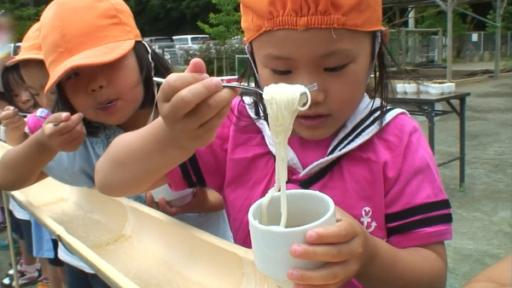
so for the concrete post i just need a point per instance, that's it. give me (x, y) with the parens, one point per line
(497, 53)
(449, 40)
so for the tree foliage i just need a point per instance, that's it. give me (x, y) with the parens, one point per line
(23, 13)
(225, 24)
(435, 17)
(506, 19)
(169, 17)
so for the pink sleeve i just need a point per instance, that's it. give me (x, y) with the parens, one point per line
(209, 166)
(418, 211)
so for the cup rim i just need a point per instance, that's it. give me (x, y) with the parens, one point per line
(256, 223)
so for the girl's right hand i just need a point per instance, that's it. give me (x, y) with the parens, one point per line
(11, 120)
(64, 132)
(14, 125)
(193, 105)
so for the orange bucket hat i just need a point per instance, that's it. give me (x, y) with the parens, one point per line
(259, 16)
(30, 46)
(78, 33)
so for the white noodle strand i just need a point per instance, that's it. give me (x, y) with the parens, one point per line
(283, 103)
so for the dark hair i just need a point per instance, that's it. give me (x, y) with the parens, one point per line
(251, 73)
(161, 67)
(12, 80)
(379, 88)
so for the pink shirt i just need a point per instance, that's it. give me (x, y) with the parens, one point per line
(316, 149)
(390, 183)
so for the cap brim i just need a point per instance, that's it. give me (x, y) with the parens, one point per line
(18, 59)
(97, 56)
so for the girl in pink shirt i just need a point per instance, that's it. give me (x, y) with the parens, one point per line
(372, 160)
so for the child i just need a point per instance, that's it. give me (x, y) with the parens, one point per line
(22, 100)
(20, 95)
(16, 91)
(498, 275)
(32, 77)
(103, 73)
(372, 161)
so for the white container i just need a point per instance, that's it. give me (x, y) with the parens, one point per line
(400, 88)
(175, 198)
(411, 88)
(449, 87)
(435, 89)
(271, 243)
(424, 87)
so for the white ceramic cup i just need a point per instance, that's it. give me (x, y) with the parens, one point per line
(271, 244)
(400, 88)
(449, 87)
(435, 89)
(411, 88)
(177, 199)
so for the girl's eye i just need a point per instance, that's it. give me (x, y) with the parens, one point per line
(335, 68)
(72, 75)
(32, 92)
(281, 72)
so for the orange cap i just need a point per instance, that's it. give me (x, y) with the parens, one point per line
(259, 16)
(30, 46)
(85, 33)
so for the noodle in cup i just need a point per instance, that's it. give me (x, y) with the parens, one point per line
(307, 210)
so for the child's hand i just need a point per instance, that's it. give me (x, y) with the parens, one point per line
(342, 246)
(11, 119)
(63, 132)
(205, 200)
(193, 105)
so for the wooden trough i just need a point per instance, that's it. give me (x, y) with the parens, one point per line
(131, 245)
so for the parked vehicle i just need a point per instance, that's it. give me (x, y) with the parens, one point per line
(158, 40)
(190, 41)
(166, 47)
(10, 49)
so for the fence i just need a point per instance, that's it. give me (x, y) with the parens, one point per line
(419, 47)
(481, 46)
(220, 59)
(415, 46)
(406, 47)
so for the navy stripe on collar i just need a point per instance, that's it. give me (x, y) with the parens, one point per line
(351, 136)
(356, 127)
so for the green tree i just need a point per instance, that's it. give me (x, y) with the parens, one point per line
(24, 14)
(225, 24)
(169, 17)
(506, 19)
(434, 17)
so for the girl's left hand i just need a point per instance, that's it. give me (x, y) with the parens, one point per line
(344, 248)
(204, 200)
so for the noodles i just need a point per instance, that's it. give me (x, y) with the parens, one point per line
(283, 103)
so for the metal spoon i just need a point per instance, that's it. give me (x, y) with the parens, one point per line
(251, 89)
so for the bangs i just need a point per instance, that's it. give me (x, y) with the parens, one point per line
(12, 79)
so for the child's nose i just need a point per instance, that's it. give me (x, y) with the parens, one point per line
(317, 96)
(26, 96)
(96, 86)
